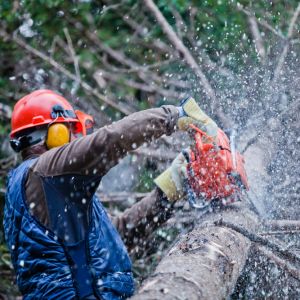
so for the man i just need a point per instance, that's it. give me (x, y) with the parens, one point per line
(62, 243)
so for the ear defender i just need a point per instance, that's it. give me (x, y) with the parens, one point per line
(58, 134)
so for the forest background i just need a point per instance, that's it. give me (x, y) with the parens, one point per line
(240, 60)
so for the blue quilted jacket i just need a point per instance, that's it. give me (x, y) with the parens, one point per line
(97, 267)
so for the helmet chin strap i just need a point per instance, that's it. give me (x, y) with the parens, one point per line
(57, 115)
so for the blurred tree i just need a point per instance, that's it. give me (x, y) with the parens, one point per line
(111, 58)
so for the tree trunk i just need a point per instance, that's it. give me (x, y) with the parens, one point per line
(206, 262)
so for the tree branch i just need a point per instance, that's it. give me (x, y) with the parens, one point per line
(5, 111)
(7, 163)
(107, 8)
(180, 24)
(260, 22)
(297, 231)
(292, 106)
(92, 36)
(74, 57)
(282, 57)
(282, 224)
(257, 38)
(143, 31)
(118, 56)
(260, 240)
(120, 197)
(286, 266)
(178, 44)
(137, 85)
(189, 59)
(158, 154)
(64, 71)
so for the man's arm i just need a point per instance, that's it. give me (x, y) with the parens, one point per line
(143, 218)
(97, 153)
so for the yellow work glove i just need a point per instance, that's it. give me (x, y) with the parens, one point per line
(171, 181)
(191, 113)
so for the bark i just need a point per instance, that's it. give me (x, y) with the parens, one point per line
(206, 262)
(86, 86)
(283, 224)
(259, 43)
(285, 51)
(190, 61)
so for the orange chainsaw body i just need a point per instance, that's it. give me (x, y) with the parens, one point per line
(212, 173)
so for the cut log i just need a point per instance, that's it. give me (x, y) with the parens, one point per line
(206, 262)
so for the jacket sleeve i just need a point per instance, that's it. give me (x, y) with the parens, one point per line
(143, 218)
(97, 153)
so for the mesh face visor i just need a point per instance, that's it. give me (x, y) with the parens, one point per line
(75, 129)
(89, 126)
(87, 122)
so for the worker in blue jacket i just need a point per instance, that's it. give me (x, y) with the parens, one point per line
(63, 244)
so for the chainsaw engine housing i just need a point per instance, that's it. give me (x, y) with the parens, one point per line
(213, 172)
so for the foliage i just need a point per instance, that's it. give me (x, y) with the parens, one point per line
(7, 286)
(214, 27)
(123, 53)
(146, 176)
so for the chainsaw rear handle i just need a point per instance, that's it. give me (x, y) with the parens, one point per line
(191, 196)
(188, 189)
(199, 134)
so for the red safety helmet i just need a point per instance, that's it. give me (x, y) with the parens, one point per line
(41, 107)
(38, 110)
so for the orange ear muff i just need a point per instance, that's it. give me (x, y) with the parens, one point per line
(58, 134)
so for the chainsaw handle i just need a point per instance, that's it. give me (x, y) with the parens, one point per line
(186, 155)
(198, 140)
(201, 133)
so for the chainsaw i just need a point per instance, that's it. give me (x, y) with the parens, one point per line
(215, 170)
